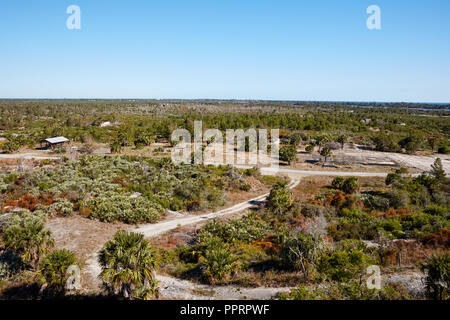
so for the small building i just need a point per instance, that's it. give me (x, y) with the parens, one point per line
(105, 124)
(55, 142)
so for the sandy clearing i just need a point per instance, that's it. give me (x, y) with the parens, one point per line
(173, 288)
(271, 171)
(419, 162)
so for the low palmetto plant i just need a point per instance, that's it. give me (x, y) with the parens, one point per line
(438, 277)
(218, 260)
(128, 264)
(53, 269)
(27, 238)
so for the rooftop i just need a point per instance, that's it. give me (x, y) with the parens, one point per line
(57, 140)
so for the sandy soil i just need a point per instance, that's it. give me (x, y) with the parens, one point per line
(29, 156)
(172, 288)
(85, 237)
(371, 158)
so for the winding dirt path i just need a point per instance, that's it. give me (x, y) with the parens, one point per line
(172, 286)
(155, 229)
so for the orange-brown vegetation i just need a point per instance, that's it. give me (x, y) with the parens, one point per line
(28, 201)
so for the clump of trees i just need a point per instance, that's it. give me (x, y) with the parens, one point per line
(26, 236)
(26, 253)
(288, 153)
(349, 185)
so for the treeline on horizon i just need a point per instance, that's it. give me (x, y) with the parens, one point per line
(393, 129)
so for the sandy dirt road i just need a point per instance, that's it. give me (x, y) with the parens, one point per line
(155, 229)
(27, 156)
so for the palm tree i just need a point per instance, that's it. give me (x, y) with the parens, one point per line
(218, 259)
(438, 276)
(128, 264)
(27, 238)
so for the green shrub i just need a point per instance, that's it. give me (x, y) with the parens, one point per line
(288, 153)
(246, 187)
(437, 210)
(245, 230)
(280, 198)
(352, 213)
(398, 198)
(112, 207)
(337, 183)
(392, 226)
(438, 276)
(360, 229)
(26, 237)
(301, 251)
(349, 185)
(10, 146)
(218, 260)
(303, 292)
(60, 206)
(354, 290)
(53, 269)
(345, 264)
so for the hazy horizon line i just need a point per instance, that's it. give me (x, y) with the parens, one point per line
(222, 99)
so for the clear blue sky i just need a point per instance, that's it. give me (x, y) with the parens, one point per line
(241, 49)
